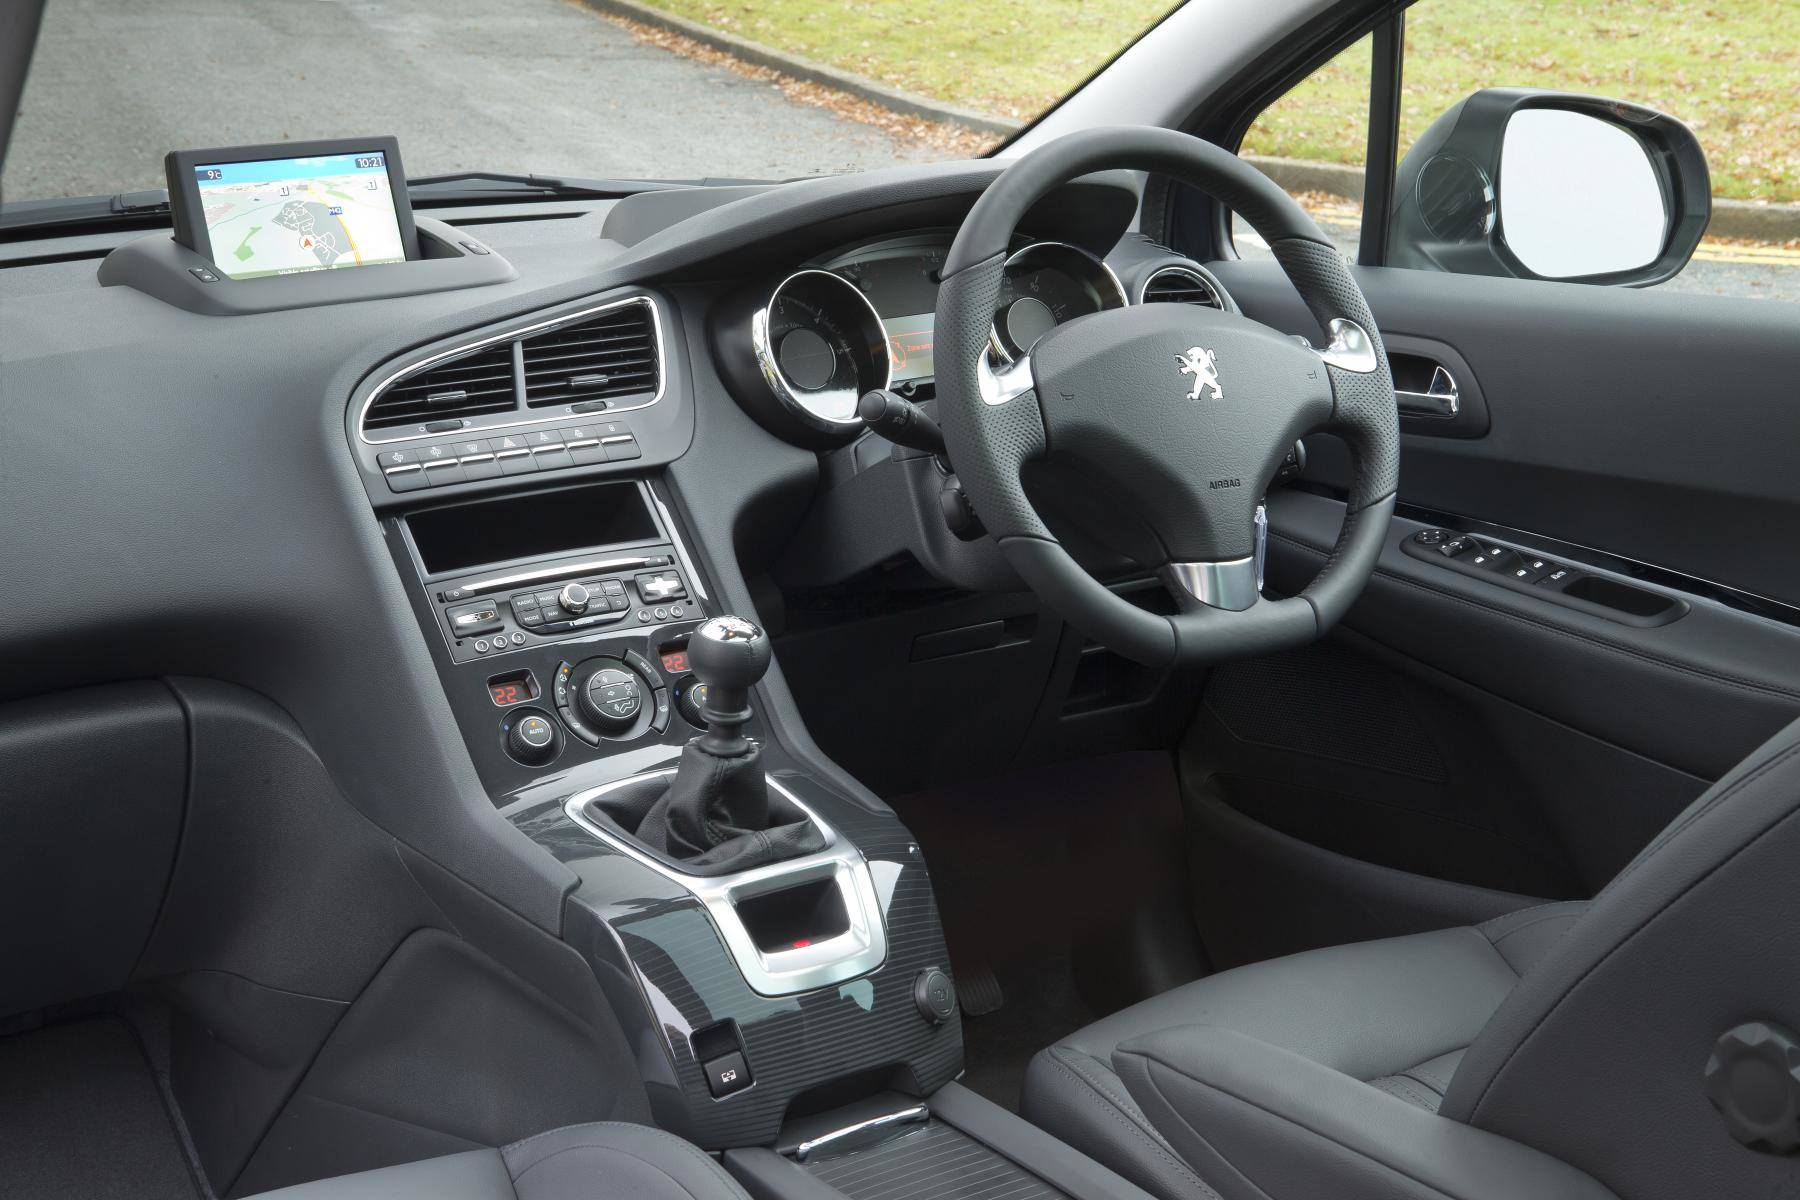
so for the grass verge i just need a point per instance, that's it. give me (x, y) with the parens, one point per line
(1729, 68)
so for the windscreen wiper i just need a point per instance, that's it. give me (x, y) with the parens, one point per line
(488, 185)
(120, 210)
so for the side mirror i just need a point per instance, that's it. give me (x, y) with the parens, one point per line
(1548, 185)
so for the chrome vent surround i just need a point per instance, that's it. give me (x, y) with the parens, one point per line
(613, 354)
(1180, 285)
(610, 354)
(468, 385)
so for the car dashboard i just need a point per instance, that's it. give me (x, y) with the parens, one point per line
(458, 517)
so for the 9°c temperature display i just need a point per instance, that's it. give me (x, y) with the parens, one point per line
(514, 688)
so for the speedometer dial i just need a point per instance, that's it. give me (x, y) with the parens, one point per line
(1047, 284)
(820, 345)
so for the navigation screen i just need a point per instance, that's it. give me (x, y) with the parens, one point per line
(281, 215)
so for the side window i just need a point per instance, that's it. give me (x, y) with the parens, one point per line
(1314, 142)
(1510, 157)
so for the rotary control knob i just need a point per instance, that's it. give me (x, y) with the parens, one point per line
(574, 597)
(531, 738)
(611, 699)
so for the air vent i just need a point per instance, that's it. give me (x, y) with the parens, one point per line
(612, 354)
(465, 386)
(1178, 285)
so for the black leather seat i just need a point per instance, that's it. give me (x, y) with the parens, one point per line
(1560, 1050)
(607, 1161)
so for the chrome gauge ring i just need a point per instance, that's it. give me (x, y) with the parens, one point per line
(820, 345)
(1046, 284)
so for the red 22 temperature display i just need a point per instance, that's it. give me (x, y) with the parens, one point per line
(515, 688)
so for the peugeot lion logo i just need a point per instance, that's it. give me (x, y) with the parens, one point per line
(1203, 365)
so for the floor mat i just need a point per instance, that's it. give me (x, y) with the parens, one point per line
(82, 1118)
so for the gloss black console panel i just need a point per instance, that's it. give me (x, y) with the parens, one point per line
(531, 609)
(666, 969)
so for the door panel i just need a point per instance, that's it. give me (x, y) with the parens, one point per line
(1493, 737)
(1658, 426)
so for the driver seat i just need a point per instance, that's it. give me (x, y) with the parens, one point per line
(1642, 1045)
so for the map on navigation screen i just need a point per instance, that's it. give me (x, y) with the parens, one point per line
(282, 215)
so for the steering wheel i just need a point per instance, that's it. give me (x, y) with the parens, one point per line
(1178, 415)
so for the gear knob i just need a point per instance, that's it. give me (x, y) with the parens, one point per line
(729, 655)
(729, 652)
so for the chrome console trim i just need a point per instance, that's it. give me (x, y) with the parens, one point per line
(858, 950)
(858, 1135)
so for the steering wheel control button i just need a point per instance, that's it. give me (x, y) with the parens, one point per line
(934, 995)
(531, 738)
(727, 1074)
(1753, 1079)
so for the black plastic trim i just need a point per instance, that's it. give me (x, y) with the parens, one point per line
(1587, 556)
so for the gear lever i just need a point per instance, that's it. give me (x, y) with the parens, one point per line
(730, 656)
(716, 812)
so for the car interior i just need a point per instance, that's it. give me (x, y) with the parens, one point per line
(941, 681)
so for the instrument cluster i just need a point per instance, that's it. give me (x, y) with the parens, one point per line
(863, 319)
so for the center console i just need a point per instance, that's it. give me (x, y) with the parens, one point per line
(768, 938)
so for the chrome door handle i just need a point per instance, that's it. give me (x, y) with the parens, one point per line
(1441, 398)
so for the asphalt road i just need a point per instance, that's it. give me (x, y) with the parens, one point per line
(521, 85)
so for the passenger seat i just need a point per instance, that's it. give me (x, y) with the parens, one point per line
(604, 1161)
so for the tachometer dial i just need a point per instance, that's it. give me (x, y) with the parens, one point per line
(1047, 284)
(820, 345)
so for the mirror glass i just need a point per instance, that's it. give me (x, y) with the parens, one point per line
(1578, 195)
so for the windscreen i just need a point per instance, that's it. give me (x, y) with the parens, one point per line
(549, 87)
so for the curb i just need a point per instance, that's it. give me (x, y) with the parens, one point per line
(795, 67)
(1730, 218)
(1746, 219)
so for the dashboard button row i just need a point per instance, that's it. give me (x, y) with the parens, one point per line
(443, 463)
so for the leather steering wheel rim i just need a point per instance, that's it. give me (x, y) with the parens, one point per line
(994, 419)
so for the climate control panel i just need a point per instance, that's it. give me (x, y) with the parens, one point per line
(609, 697)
